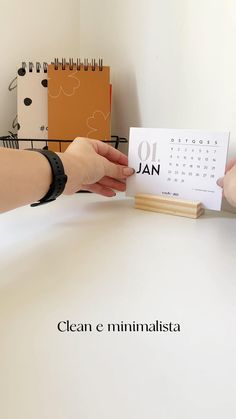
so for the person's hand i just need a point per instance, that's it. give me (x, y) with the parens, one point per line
(94, 166)
(228, 182)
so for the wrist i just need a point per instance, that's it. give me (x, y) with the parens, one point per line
(73, 168)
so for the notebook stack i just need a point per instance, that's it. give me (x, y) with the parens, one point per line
(62, 101)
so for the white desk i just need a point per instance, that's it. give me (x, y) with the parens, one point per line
(92, 260)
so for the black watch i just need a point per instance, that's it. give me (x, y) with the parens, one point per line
(59, 177)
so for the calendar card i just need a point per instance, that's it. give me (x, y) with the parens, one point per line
(178, 163)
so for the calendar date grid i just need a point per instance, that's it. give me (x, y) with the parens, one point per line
(191, 159)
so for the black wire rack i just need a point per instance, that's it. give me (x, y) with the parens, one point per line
(12, 141)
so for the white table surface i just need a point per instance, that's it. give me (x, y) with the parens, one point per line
(94, 260)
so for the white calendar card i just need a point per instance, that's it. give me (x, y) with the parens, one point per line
(178, 163)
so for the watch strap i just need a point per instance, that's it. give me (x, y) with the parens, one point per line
(59, 177)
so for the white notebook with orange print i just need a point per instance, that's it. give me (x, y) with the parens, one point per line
(79, 100)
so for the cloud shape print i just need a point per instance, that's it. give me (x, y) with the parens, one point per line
(66, 87)
(96, 123)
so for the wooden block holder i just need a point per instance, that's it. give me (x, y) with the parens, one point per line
(169, 205)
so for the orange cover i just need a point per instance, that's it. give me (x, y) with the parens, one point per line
(78, 103)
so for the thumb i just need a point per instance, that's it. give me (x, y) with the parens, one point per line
(117, 171)
(220, 182)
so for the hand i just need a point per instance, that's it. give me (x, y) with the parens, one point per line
(95, 166)
(228, 182)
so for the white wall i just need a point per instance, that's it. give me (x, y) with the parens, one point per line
(33, 31)
(173, 61)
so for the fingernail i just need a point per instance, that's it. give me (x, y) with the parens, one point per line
(127, 171)
(220, 182)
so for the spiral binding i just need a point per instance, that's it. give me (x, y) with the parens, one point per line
(37, 67)
(78, 64)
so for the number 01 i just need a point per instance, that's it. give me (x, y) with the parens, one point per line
(147, 151)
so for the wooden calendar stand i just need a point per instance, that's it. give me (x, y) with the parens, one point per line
(169, 205)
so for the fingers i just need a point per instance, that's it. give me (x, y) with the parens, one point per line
(97, 160)
(110, 153)
(228, 184)
(116, 171)
(99, 189)
(220, 182)
(230, 164)
(106, 186)
(113, 184)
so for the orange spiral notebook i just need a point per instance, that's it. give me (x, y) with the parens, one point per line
(79, 101)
